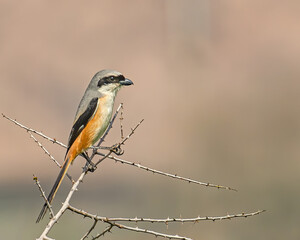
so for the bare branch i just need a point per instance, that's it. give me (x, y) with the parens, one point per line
(64, 206)
(47, 238)
(186, 220)
(166, 174)
(151, 169)
(114, 222)
(117, 145)
(164, 220)
(156, 234)
(121, 226)
(53, 140)
(107, 229)
(121, 123)
(44, 149)
(103, 158)
(51, 157)
(43, 195)
(131, 133)
(90, 230)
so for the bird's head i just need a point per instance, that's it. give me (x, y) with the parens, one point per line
(109, 81)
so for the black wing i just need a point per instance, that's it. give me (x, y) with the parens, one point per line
(82, 121)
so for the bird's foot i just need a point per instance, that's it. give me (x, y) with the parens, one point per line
(92, 167)
(116, 149)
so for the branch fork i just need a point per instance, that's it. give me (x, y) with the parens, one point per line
(91, 167)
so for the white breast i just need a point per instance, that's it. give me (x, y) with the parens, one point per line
(105, 106)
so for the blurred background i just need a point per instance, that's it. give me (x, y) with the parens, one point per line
(217, 83)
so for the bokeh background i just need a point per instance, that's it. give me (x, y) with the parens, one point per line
(217, 83)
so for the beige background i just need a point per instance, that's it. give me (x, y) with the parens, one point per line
(217, 83)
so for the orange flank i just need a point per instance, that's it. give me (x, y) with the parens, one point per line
(88, 135)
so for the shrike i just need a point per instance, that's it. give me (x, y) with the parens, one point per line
(91, 120)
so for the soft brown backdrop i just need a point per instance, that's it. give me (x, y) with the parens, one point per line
(217, 83)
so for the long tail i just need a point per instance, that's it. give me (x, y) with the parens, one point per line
(57, 183)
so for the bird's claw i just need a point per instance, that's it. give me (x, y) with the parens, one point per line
(116, 149)
(92, 167)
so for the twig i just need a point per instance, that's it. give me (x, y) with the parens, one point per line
(47, 152)
(47, 238)
(121, 123)
(107, 229)
(113, 222)
(156, 234)
(43, 195)
(53, 140)
(151, 169)
(121, 160)
(89, 231)
(104, 157)
(63, 208)
(119, 144)
(165, 220)
(44, 149)
(121, 226)
(166, 174)
(131, 133)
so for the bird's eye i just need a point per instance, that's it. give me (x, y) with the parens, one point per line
(112, 78)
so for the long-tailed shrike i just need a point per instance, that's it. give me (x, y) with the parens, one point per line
(91, 120)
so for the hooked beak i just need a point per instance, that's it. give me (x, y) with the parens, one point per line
(126, 82)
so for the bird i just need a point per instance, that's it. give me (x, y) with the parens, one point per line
(91, 121)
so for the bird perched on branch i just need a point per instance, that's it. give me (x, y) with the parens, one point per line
(91, 120)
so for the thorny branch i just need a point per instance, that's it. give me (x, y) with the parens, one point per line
(113, 222)
(64, 206)
(89, 231)
(118, 146)
(95, 151)
(121, 123)
(53, 140)
(43, 195)
(166, 174)
(106, 230)
(165, 220)
(141, 230)
(47, 152)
